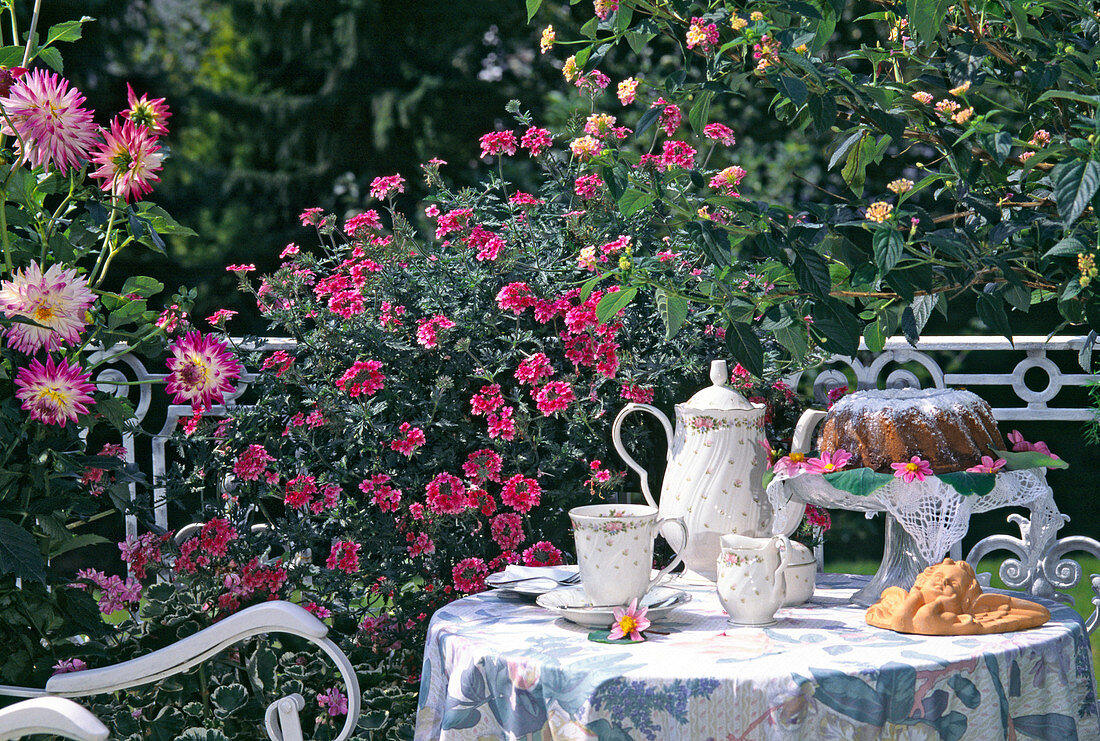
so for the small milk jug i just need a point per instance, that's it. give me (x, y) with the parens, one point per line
(752, 578)
(717, 456)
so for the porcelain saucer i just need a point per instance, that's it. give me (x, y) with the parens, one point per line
(571, 604)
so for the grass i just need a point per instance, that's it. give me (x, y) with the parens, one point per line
(1082, 594)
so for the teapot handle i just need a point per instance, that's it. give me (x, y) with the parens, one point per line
(617, 441)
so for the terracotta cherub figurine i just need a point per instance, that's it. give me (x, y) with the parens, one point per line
(946, 599)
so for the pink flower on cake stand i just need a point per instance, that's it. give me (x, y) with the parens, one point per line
(829, 462)
(791, 464)
(630, 621)
(1020, 445)
(988, 465)
(915, 470)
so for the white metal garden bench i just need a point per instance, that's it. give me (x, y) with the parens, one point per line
(1039, 563)
(281, 719)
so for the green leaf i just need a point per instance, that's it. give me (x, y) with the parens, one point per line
(888, 246)
(855, 169)
(19, 553)
(1074, 184)
(844, 147)
(835, 328)
(991, 310)
(261, 669)
(11, 56)
(1000, 146)
(202, 734)
(229, 698)
(611, 303)
(532, 8)
(858, 481)
(65, 31)
(118, 411)
(909, 325)
(794, 338)
(969, 483)
(926, 17)
(160, 221)
(141, 285)
(793, 89)
(1015, 461)
(588, 286)
(1090, 99)
(129, 312)
(745, 347)
(633, 200)
(812, 272)
(874, 336)
(673, 310)
(77, 541)
(699, 115)
(1068, 246)
(601, 636)
(52, 57)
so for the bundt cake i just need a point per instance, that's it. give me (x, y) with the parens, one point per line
(951, 429)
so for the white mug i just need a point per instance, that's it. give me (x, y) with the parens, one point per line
(615, 550)
(751, 577)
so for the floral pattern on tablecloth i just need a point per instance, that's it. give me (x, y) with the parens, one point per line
(495, 668)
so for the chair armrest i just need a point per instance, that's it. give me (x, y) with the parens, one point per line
(54, 715)
(270, 617)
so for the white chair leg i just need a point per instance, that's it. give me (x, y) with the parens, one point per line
(282, 719)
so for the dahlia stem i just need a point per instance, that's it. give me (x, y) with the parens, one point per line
(30, 33)
(4, 230)
(106, 249)
(14, 23)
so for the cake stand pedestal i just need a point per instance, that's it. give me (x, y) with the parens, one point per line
(901, 563)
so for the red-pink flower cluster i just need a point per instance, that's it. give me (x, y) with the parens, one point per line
(363, 378)
(419, 544)
(426, 330)
(701, 34)
(252, 463)
(115, 594)
(211, 542)
(362, 223)
(386, 186)
(670, 117)
(498, 142)
(534, 368)
(675, 153)
(446, 494)
(588, 186)
(536, 140)
(521, 493)
(280, 361)
(469, 575)
(413, 439)
(300, 490)
(385, 497)
(507, 530)
(487, 244)
(344, 556)
(637, 394)
(554, 397)
(542, 553)
(138, 551)
(515, 297)
(483, 465)
(720, 133)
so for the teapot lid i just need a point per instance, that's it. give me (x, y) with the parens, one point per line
(719, 395)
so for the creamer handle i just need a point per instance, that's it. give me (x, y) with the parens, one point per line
(784, 561)
(617, 441)
(804, 430)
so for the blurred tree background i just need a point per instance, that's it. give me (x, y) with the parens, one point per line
(280, 105)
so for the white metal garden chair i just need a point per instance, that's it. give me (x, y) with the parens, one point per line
(53, 715)
(281, 719)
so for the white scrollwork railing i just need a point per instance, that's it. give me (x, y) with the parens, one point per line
(1040, 564)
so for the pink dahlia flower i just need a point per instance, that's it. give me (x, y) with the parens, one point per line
(129, 158)
(54, 393)
(58, 300)
(201, 371)
(915, 470)
(988, 465)
(52, 127)
(630, 621)
(829, 462)
(152, 114)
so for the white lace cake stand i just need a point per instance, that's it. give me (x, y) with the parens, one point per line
(923, 518)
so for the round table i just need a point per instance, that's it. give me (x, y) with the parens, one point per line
(495, 667)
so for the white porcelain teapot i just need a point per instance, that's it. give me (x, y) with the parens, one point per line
(714, 479)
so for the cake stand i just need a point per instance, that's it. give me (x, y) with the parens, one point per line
(924, 519)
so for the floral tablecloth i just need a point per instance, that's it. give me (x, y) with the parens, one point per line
(501, 669)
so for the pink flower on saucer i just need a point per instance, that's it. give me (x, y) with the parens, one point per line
(791, 464)
(630, 621)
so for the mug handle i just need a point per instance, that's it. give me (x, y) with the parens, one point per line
(675, 559)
